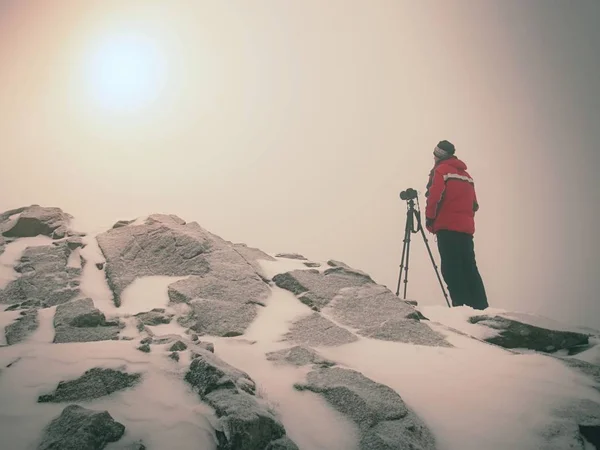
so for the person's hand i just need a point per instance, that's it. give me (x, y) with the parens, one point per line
(429, 224)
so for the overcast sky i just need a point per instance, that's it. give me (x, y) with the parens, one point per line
(293, 126)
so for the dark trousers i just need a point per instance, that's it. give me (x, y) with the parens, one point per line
(459, 269)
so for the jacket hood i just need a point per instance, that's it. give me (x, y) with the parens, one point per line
(454, 162)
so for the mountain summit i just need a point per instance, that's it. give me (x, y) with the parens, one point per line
(158, 334)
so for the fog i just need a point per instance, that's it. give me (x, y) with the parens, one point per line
(293, 126)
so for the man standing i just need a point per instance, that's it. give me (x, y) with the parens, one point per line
(450, 215)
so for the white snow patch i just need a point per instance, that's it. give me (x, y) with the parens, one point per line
(162, 410)
(146, 293)
(281, 265)
(12, 254)
(457, 318)
(471, 398)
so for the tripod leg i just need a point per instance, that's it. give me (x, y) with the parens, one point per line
(435, 266)
(406, 237)
(406, 266)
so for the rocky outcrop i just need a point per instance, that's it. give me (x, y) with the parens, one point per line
(45, 277)
(22, 327)
(36, 220)
(245, 423)
(375, 312)
(299, 356)
(156, 316)
(291, 256)
(317, 289)
(78, 428)
(384, 421)
(94, 383)
(515, 334)
(219, 318)
(315, 330)
(79, 321)
(161, 246)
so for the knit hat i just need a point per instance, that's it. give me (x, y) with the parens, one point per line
(444, 150)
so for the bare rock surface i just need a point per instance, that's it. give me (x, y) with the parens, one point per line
(246, 423)
(156, 316)
(315, 330)
(299, 356)
(516, 334)
(375, 312)
(291, 256)
(80, 321)
(95, 383)
(219, 318)
(36, 220)
(318, 289)
(44, 278)
(384, 421)
(79, 428)
(22, 327)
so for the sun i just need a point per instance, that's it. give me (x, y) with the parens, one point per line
(125, 72)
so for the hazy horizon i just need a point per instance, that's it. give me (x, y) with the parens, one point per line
(292, 127)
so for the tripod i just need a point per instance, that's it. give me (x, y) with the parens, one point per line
(411, 215)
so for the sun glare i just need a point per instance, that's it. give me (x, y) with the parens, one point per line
(125, 72)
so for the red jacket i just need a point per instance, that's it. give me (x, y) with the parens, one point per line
(451, 198)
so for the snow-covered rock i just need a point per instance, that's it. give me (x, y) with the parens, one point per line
(190, 339)
(78, 428)
(95, 383)
(36, 220)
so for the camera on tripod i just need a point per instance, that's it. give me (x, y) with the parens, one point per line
(409, 194)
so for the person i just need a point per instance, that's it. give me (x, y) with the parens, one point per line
(450, 215)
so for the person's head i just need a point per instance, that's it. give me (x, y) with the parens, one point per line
(443, 150)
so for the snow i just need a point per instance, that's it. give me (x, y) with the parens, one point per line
(471, 396)
(146, 293)
(12, 254)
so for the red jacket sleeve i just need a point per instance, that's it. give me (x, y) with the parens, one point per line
(436, 192)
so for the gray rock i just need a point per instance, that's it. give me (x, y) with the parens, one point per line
(165, 339)
(22, 327)
(79, 321)
(334, 263)
(315, 330)
(75, 242)
(299, 356)
(208, 373)
(157, 316)
(7, 214)
(45, 277)
(219, 318)
(174, 356)
(285, 443)
(238, 285)
(253, 256)
(374, 311)
(78, 428)
(291, 256)
(29, 304)
(312, 264)
(144, 348)
(178, 346)
(321, 287)
(94, 383)
(122, 223)
(355, 395)
(161, 246)
(515, 334)
(246, 424)
(36, 220)
(382, 417)
(405, 434)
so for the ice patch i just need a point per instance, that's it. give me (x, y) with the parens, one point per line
(12, 254)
